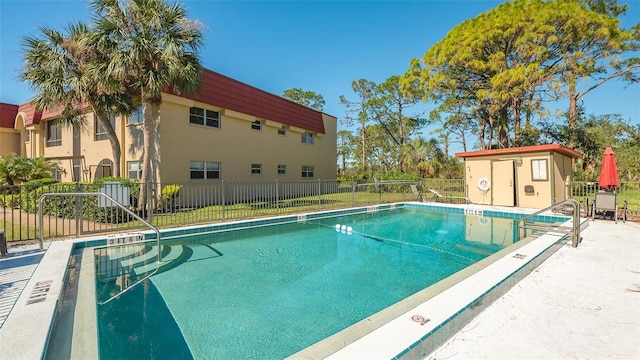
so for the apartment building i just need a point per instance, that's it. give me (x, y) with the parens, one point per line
(227, 131)
(9, 136)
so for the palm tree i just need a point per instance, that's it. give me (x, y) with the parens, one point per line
(155, 48)
(59, 66)
(427, 158)
(16, 169)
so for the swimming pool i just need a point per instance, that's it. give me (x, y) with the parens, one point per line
(269, 290)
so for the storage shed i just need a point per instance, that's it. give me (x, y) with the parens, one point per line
(530, 176)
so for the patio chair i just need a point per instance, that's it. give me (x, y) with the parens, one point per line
(436, 195)
(605, 205)
(416, 193)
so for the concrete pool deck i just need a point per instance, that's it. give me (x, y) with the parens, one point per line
(580, 303)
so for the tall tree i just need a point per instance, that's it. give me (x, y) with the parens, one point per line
(359, 111)
(592, 52)
(346, 145)
(155, 47)
(504, 61)
(593, 135)
(306, 98)
(390, 104)
(58, 68)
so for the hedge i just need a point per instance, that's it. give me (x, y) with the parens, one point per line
(65, 206)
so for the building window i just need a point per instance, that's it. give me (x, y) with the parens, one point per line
(256, 169)
(101, 133)
(307, 138)
(134, 169)
(282, 131)
(103, 169)
(256, 125)
(54, 134)
(204, 117)
(539, 170)
(136, 117)
(56, 173)
(307, 171)
(27, 135)
(202, 170)
(282, 169)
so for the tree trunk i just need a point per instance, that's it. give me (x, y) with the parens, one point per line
(573, 113)
(516, 122)
(116, 151)
(150, 179)
(364, 148)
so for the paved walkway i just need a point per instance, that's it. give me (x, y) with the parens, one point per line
(581, 303)
(15, 272)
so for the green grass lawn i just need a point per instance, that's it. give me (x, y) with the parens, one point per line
(13, 231)
(251, 210)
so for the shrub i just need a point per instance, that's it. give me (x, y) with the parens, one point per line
(34, 184)
(65, 206)
(169, 196)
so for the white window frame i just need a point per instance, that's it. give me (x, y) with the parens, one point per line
(307, 171)
(138, 171)
(256, 169)
(282, 169)
(209, 118)
(27, 135)
(307, 138)
(54, 138)
(282, 131)
(136, 117)
(256, 125)
(211, 170)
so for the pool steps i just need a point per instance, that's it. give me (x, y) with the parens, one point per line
(175, 252)
(139, 260)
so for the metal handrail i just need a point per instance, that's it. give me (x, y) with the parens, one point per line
(113, 201)
(575, 229)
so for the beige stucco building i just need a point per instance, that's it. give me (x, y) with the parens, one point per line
(227, 131)
(9, 136)
(530, 176)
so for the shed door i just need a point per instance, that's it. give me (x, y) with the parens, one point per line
(502, 183)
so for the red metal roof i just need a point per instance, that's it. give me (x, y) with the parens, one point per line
(520, 150)
(31, 116)
(225, 92)
(8, 114)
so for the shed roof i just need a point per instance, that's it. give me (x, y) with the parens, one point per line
(522, 150)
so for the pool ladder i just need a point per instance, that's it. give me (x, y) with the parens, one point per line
(112, 202)
(526, 223)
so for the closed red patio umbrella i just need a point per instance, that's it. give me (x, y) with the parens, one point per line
(608, 174)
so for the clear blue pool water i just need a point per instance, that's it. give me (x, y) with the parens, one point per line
(269, 292)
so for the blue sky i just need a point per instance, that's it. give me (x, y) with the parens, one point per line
(320, 46)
